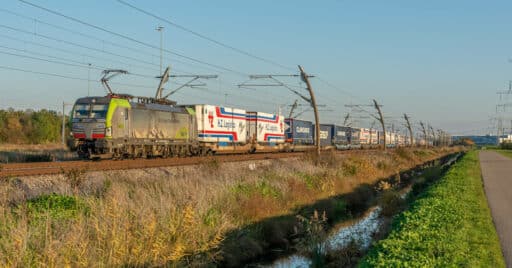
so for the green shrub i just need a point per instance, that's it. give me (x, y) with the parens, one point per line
(55, 206)
(263, 188)
(312, 181)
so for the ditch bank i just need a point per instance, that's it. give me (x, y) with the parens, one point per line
(348, 242)
(345, 224)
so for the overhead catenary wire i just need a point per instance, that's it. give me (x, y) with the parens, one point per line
(338, 89)
(202, 36)
(88, 35)
(78, 64)
(84, 55)
(345, 92)
(70, 52)
(85, 65)
(108, 31)
(148, 13)
(66, 76)
(73, 44)
(129, 38)
(83, 79)
(140, 51)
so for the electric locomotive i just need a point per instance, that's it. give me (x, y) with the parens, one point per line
(117, 126)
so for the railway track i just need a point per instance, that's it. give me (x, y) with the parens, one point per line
(45, 168)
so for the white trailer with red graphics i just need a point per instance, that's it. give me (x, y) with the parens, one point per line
(364, 136)
(265, 129)
(221, 128)
(368, 137)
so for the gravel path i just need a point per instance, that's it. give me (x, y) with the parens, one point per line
(497, 175)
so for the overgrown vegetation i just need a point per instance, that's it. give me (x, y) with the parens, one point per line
(29, 127)
(506, 145)
(450, 225)
(224, 214)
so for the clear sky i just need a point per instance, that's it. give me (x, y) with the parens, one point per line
(438, 61)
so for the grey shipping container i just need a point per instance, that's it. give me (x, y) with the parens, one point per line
(299, 131)
(326, 134)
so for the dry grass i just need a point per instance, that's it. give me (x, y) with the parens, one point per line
(175, 216)
(10, 153)
(32, 147)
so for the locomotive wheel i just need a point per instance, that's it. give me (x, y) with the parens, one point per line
(116, 155)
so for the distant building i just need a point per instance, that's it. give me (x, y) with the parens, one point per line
(479, 140)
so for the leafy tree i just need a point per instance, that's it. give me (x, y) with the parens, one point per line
(29, 126)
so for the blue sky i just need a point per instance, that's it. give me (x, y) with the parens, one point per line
(439, 61)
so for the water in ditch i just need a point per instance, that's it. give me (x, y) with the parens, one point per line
(361, 232)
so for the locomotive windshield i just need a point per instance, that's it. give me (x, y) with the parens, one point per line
(95, 111)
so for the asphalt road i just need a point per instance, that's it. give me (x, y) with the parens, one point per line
(497, 175)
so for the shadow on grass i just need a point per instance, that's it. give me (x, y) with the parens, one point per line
(275, 237)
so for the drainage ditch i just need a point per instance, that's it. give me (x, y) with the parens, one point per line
(347, 242)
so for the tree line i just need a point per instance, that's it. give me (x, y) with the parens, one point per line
(29, 126)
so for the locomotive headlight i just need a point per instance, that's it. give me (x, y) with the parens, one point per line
(108, 131)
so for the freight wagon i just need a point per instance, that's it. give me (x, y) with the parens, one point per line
(220, 128)
(326, 132)
(265, 130)
(338, 136)
(341, 137)
(299, 132)
(354, 138)
(368, 136)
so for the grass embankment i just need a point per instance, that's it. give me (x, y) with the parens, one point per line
(214, 213)
(449, 225)
(507, 153)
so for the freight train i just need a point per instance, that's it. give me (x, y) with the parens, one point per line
(119, 126)
(123, 126)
